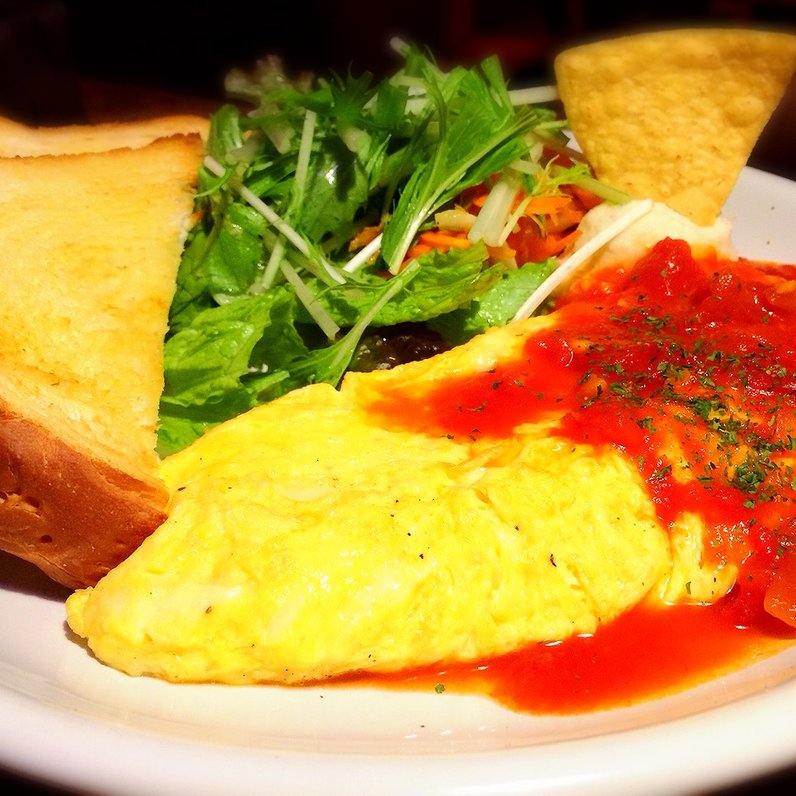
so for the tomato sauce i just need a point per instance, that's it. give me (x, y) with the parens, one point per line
(648, 652)
(688, 367)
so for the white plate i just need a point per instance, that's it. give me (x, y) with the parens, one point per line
(66, 719)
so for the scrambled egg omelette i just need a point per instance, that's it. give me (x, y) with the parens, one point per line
(309, 538)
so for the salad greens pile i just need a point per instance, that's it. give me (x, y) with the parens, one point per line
(308, 205)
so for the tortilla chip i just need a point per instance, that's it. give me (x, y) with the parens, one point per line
(673, 115)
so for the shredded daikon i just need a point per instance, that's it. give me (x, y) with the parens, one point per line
(270, 215)
(533, 95)
(363, 255)
(303, 157)
(491, 219)
(305, 296)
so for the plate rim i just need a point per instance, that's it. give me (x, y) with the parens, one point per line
(64, 758)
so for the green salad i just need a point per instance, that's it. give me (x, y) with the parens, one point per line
(347, 223)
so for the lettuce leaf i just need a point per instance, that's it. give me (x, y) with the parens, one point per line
(263, 286)
(495, 306)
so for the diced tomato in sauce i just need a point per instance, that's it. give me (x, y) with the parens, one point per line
(672, 347)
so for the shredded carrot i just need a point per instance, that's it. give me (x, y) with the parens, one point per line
(585, 198)
(566, 240)
(444, 240)
(554, 243)
(418, 250)
(547, 227)
(435, 239)
(502, 253)
(564, 219)
(363, 238)
(544, 205)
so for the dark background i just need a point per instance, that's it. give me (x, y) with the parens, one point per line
(187, 45)
(75, 60)
(65, 61)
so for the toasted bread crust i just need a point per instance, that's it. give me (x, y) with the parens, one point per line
(73, 516)
(84, 314)
(19, 140)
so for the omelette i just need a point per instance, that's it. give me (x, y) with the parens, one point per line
(306, 540)
(456, 508)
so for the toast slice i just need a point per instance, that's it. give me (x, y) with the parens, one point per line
(90, 244)
(20, 140)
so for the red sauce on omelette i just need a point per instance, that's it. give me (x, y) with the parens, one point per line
(687, 366)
